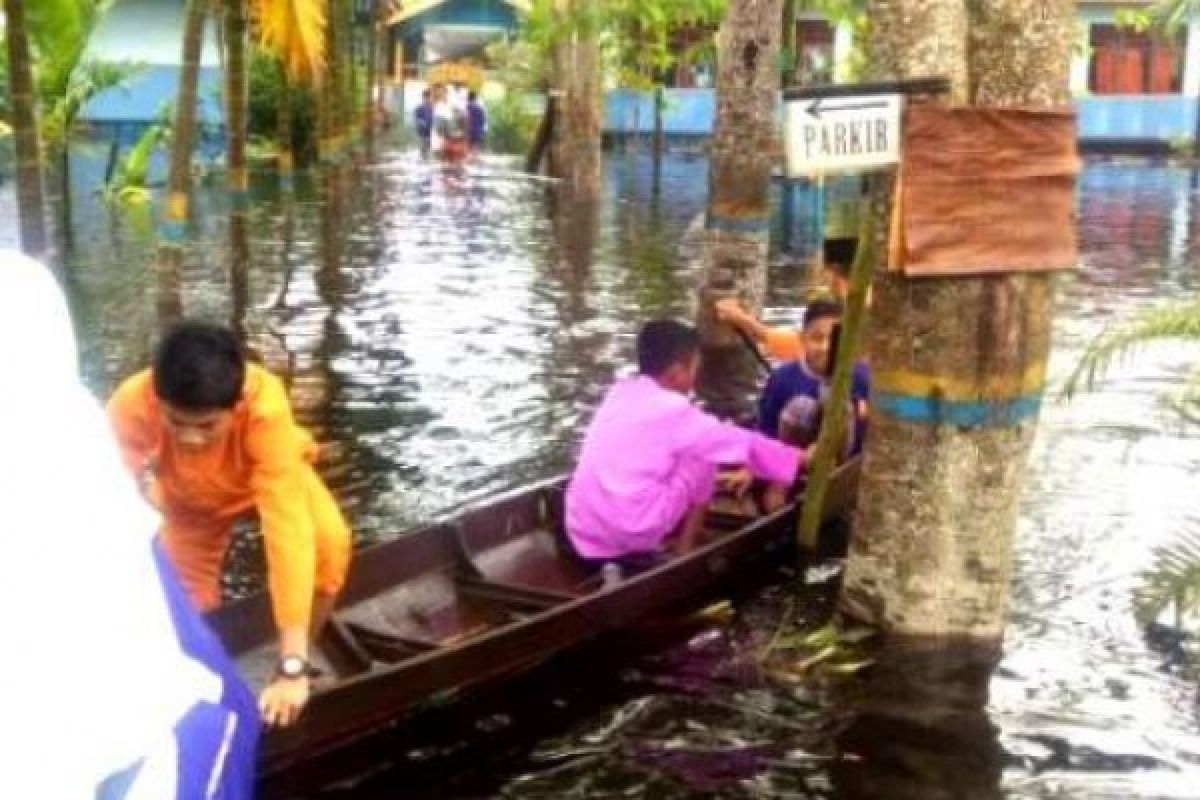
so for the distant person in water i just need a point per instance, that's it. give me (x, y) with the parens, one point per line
(476, 122)
(785, 344)
(423, 120)
(212, 440)
(649, 463)
(801, 387)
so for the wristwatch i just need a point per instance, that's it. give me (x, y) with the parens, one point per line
(295, 667)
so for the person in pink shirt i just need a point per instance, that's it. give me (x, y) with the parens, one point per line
(648, 467)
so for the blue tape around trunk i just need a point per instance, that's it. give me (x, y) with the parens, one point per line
(928, 410)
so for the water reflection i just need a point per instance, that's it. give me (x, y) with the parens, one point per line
(446, 336)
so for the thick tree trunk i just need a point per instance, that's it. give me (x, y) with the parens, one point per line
(179, 177)
(932, 550)
(575, 141)
(744, 149)
(31, 207)
(235, 128)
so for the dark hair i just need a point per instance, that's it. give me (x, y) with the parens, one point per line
(823, 308)
(199, 367)
(472, 96)
(662, 343)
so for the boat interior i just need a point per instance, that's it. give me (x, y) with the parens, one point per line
(437, 586)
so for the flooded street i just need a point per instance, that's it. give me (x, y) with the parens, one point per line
(447, 337)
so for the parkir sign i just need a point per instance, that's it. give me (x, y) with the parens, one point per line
(842, 134)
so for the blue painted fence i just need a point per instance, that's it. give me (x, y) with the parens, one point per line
(691, 112)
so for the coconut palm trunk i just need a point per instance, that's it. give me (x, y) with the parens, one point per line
(235, 133)
(183, 137)
(743, 153)
(575, 140)
(31, 209)
(932, 547)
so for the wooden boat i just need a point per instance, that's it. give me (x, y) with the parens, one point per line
(482, 594)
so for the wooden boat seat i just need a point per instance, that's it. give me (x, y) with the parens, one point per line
(525, 549)
(431, 611)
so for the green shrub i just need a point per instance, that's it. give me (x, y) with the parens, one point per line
(264, 87)
(511, 127)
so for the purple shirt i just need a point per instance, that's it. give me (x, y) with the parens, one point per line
(648, 457)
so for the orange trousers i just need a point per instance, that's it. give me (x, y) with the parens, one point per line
(197, 544)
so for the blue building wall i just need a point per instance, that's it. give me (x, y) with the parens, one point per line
(691, 112)
(149, 91)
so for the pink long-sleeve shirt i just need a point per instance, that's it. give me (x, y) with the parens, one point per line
(649, 456)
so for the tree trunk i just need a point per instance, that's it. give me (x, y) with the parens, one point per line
(330, 93)
(370, 110)
(575, 140)
(179, 177)
(287, 155)
(791, 57)
(235, 129)
(31, 208)
(743, 153)
(932, 548)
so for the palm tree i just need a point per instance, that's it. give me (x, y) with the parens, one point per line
(59, 31)
(183, 133)
(235, 135)
(31, 211)
(938, 500)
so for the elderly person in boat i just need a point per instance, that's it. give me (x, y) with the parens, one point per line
(214, 441)
(649, 463)
(114, 688)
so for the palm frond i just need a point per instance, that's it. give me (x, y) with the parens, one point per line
(1180, 321)
(1169, 16)
(1173, 580)
(294, 32)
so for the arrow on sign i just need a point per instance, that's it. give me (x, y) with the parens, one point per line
(816, 108)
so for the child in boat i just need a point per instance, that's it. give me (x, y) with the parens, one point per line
(807, 377)
(213, 440)
(648, 467)
(786, 344)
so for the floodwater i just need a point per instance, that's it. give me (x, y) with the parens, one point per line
(447, 337)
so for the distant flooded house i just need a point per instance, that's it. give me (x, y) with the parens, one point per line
(1133, 90)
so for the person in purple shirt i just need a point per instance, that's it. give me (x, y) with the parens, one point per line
(423, 120)
(476, 122)
(808, 376)
(648, 466)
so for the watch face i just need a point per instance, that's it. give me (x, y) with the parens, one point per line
(292, 666)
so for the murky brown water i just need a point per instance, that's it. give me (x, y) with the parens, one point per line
(456, 347)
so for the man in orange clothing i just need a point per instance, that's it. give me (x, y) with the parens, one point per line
(212, 439)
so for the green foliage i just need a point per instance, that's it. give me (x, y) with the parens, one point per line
(636, 38)
(264, 90)
(1165, 17)
(1173, 582)
(511, 127)
(84, 82)
(1180, 321)
(58, 33)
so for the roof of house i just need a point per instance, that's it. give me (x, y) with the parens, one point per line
(406, 9)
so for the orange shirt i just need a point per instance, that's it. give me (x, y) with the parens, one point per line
(784, 344)
(263, 461)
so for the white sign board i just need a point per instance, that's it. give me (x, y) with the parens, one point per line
(841, 134)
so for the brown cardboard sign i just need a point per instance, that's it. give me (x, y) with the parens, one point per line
(985, 190)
